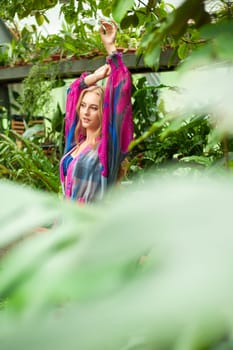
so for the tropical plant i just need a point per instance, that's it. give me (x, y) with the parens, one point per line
(22, 49)
(160, 23)
(27, 164)
(56, 133)
(204, 67)
(189, 141)
(26, 8)
(35, 98)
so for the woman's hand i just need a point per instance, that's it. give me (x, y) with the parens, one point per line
(102, 72)
(108, 32)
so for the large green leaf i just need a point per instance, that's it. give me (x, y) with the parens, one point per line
(129, 20)
(85, 274)
(120, 8)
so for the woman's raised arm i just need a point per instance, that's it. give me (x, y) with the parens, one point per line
(117, 122)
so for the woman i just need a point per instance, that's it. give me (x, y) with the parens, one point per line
(98, 126)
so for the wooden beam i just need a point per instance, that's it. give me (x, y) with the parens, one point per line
(73, 68)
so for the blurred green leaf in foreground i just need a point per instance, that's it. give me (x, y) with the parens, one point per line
(204, 81)
(150, 268)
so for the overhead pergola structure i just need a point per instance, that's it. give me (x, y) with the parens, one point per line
(73, 68)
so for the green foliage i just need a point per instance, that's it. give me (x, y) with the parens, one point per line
(57, 131)
(203, 85)
(145, 110)
(216, 49)
(167, 288)
(161, 139)
(27, 164)
(57, 119)
(120, 8)
(161, 25)
(25, 8)
(171, 28)
(36, 90)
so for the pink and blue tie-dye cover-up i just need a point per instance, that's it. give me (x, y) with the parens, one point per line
(93, 170)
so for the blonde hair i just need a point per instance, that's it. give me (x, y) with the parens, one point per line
(79, 130)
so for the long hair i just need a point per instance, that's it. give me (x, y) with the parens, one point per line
(80, 131)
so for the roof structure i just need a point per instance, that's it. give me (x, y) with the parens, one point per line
(73, 68)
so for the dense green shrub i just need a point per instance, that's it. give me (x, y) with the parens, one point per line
(168, 141)
(24, 161)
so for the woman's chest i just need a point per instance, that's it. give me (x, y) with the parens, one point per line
(84, 165)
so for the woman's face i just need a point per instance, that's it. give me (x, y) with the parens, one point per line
(90, 110)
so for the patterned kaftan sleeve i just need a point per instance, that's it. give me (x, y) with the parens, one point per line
(71, 117)
(117, 122)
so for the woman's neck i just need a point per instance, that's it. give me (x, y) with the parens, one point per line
(90, 137)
